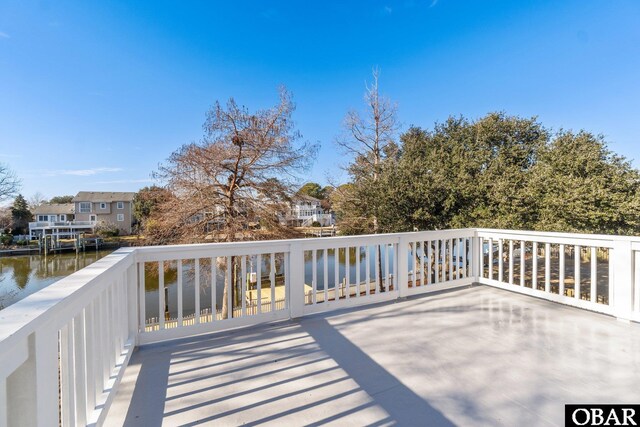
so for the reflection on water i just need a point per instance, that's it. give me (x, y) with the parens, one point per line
(23, 275)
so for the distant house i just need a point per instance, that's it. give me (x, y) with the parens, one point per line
(54, 212)
(58, 220)
(107, 207)
(305, 210)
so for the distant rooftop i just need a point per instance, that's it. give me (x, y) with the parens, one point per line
(104, 196)
(54, 208)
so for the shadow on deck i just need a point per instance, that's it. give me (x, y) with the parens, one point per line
(474, 356)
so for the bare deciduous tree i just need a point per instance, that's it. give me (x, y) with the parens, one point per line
(236, 183)
(369, 138)
(36, 200)
(9, 183)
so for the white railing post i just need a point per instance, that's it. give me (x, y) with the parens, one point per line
(402, 276)
(296, 280)
(622, 257)
(476, 254)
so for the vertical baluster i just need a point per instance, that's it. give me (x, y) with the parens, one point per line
(99, 349)
(325, 273)
(458, 258)
(423, 268)
(367, 261)
(229, 286)
(466, 259)
(480, 257)
(314, 273)
(534, 268)
(214, 291)
(443, 260)
(124, 298)
(576, 274)
(594, 274)
(90, 349)
(419, 262)
(429, 258)
(523, 256)
(142, 315)
(336, 262)
(547, 267)
(561, 268)
(161, 295)
(450, 250)
(67, 397)
(259, 281)
(357, 271)
(500, 261)
(437, 262)
(80, 383)
(243, 284)
(106, 336)
(511, 262)
(196, 282)
(347, 275)
(287, 279)
(109, 343)
(272, 279)
(386, 267)
(118, 317)
(179, 284)
(414, 253)
(490, 259)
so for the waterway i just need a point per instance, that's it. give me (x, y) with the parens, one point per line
(22, 275)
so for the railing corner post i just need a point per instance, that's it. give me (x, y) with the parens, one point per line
(476, 251)
(296, 280)
(622, 263)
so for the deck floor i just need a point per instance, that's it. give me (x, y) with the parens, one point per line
(473, 356)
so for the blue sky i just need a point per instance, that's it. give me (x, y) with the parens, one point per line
(94, 95)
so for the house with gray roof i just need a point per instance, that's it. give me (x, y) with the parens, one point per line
(107, 207)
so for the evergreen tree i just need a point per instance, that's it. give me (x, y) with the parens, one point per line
(20, 215)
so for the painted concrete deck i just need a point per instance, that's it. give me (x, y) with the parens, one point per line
(474, 356)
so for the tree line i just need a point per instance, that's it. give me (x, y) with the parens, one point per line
(499, 171)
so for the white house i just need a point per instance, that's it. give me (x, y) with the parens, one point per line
(305, 210)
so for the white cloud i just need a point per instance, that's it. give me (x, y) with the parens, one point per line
(388, 9)
(433, 3)
(82, 172)
(4, 35)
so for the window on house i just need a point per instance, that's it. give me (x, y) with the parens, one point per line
(92, 218)
(120, 217)
(120, 205)
(43, 218)
(85, 207)
(103, 205)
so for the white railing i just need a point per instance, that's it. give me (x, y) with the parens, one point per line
(41, 224)
(595, 272)
(63, 350)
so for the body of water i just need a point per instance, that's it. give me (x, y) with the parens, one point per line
(23, 275)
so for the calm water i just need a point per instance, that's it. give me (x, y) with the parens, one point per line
(23, 275)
